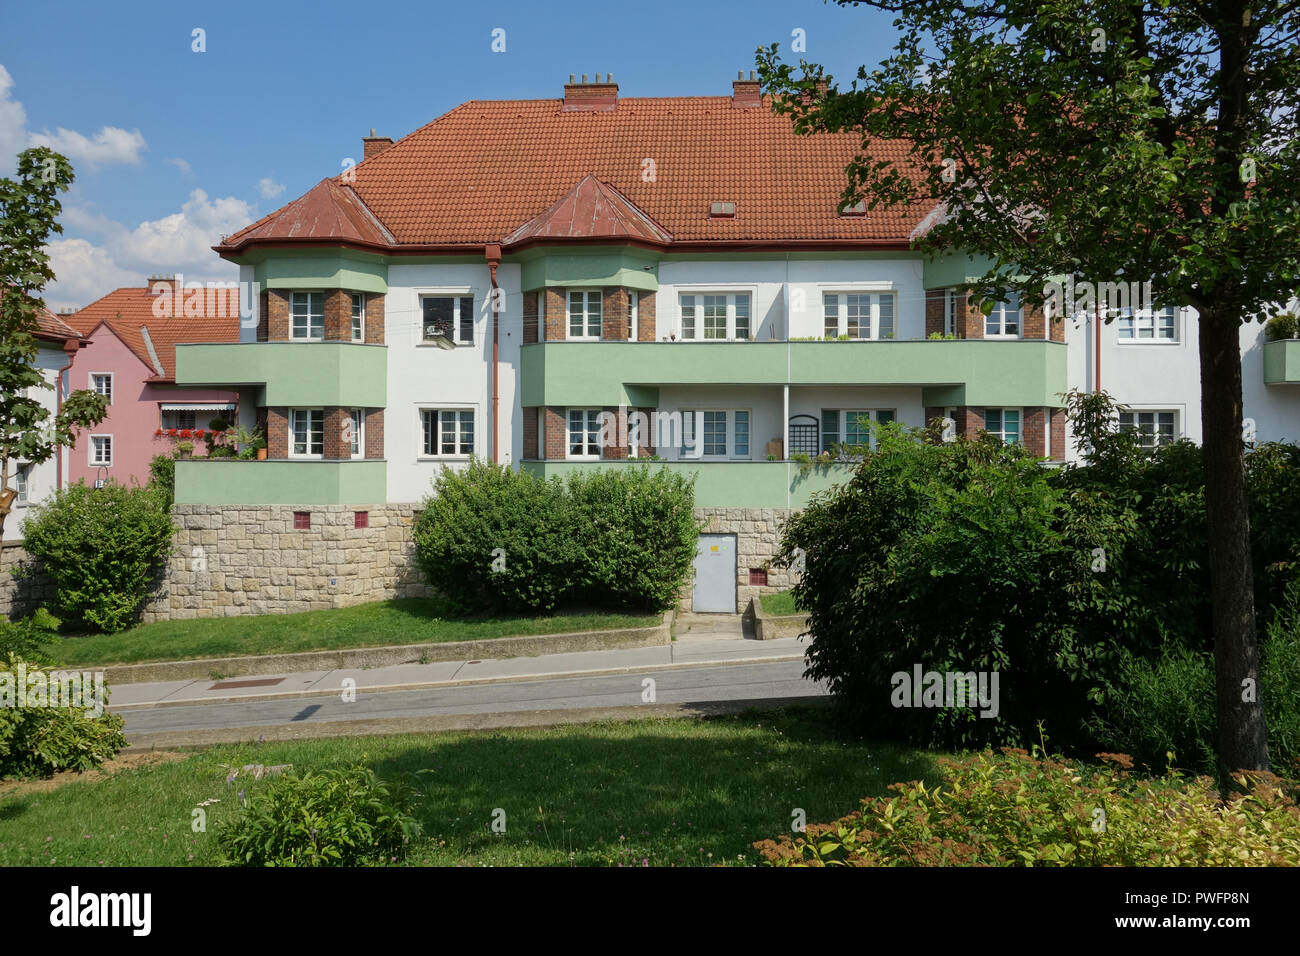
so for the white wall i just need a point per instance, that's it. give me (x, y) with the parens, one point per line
(42, 479)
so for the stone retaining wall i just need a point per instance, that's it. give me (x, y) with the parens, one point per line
(758, 534)
(21, 596)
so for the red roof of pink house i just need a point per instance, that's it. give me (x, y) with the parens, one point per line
(492, 169)
(130, 315)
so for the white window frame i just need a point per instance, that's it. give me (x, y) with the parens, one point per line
(94, 384)
(731, 292)
(358, 321)
(292, 421)
(586, 294)
(91, 451)
(358, 416)
(585, 455)
(1140, 317)
(688, 416)
(455, 294)
(1175, 434)
(436, 411)
(293, 325)
(22, 485)
(1020, 427)
(950, 311)
(842, 423)
(633, 314)
(873, 315)
(1000, 311)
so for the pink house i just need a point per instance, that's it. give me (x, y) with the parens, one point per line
(134, 333)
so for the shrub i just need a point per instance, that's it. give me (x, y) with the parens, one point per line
(490, 537)
(101, 548)
(638, 534)
(1284, 325)
(325, 818)
(1014, 810)
(162, 475)
(30, 638)
(36, 741)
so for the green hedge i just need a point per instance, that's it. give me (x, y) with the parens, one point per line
(38, 739)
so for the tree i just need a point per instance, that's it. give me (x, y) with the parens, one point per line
(1134, 140)
(29, 208)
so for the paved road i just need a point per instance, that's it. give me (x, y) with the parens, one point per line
(536, 701)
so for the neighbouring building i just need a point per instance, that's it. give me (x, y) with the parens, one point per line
(491, 283)
(135, 332)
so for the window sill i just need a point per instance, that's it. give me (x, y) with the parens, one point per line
(434, 345)
(1143, 343)
(465, 457)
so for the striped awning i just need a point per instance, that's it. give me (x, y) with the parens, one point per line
(196, 406)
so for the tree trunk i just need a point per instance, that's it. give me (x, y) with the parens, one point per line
(1243, 744)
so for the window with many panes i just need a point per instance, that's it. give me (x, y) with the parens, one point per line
(1143, 325)
(582, 433)
(858, 315)
(851, 426)
(1004, 321)
(307, 315)
(1154, 428)
(715, 433)
(357, 433)
(448, 432)
(101, 450)
(714, 316)
(448, 316)
(951, 303)
(102, 382)
(306, 432)
(20, 484)
(1003, 423)
(358, 317)
(584, 314)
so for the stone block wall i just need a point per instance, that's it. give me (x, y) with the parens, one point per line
(758, 534)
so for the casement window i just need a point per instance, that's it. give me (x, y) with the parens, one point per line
(187, 418)
(584, 314)
(1142, 325)
(858, 315)
(448, 432)
(358, 317)
(102, 382)
(714, 316)
(582, 433)
(20, 484)
(307, 316)
(851, 426)
(448, 316)
(101, 450)
(1004, 321)
(1154, 428)
(306, 432)
(715, 433)
(357, 433)
(633, 314)
(950, 306)
(1003, 423)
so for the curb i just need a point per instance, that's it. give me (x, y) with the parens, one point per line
(429, 685)
(362, 658)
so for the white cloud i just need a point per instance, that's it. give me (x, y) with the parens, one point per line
(179, 243)
(110, 146)
(180, 164)
(13, 125)
(269, 188)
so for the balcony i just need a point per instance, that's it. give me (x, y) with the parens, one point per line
(728, 484)
(1019, 372)
(1282, 362)
(232, 481)
(344, 374)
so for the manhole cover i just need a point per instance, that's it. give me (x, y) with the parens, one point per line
(266, 682)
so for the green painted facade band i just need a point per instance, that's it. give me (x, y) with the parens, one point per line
(293, 374)
(1282, 362)
(728, 484)
(228, 481)
(323, 271)
(628, 268)
(1025, 372)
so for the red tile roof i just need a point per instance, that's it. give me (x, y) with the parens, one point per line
(329, 211)
(590, 210)
(487, 168)
(50, 326)
(127, 312)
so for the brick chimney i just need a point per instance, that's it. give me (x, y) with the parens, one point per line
(745, 93)
(374, 145)
(157, 285)
(596, 96)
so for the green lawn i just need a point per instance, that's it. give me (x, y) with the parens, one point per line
(781, 602)
(406, 621)
(667, 792)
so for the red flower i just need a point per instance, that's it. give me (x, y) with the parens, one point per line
(198, 433)
(186, 433)
(171, 433)
(157, 433)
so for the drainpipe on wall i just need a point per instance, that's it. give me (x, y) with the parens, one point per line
(493, 255)
(70, 347)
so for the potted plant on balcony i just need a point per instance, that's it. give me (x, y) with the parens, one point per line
(1284, 325)
(184, 449)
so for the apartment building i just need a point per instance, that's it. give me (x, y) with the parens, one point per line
(515, 276)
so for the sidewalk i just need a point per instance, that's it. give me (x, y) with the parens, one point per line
(695, 652)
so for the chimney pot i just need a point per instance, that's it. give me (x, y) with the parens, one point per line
(570, 77)
(740, 74)
(584, 77)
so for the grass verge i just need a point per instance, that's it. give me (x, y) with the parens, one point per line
(779, 603)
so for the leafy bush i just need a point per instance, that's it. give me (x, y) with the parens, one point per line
(638, 533)
(1284, 325)
(1015, 810)
(325, 818)
(490, 538)
(101, 548)
(36, 741)
(162, 475)
(30, 638)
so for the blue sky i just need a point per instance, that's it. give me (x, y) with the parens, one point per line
(174, 148)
